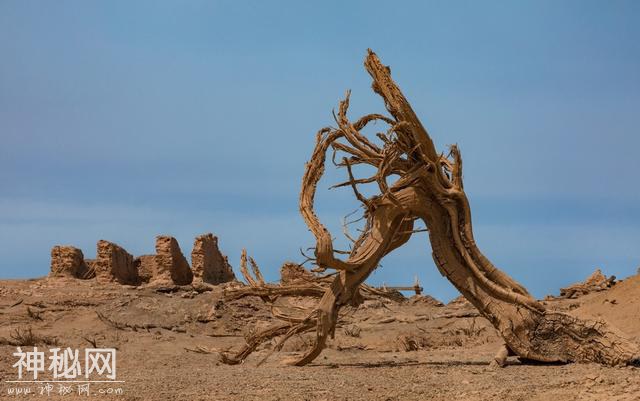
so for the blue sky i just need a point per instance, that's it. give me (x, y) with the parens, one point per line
(124, 120)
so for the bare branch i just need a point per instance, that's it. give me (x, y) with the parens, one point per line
(256, 271)
(244, 270)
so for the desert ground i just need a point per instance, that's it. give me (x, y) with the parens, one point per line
(168, 341)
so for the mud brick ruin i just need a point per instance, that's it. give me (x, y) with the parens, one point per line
(168, 266)
(293, 273)
(113, 263)
(594, 283)
(208, 263)
(67, 261)
(171, 265)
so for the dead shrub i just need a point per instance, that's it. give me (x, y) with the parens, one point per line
(470, 330)
(27, 338)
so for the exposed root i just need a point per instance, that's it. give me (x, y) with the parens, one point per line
(254, 342)
(500, 359)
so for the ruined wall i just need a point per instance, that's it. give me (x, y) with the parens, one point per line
(171, 265)
(146, 267)
(594, 283)
(113, 263)
(208, 263)
(67, 261)
(292, 273)
(167, 267)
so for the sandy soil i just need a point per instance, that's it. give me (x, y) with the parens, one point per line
(168, 343)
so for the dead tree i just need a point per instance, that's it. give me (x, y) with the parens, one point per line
(429, 188)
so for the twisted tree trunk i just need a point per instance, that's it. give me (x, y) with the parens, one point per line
(430, 189)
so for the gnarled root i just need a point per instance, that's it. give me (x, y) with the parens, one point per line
(570, 339)
(252, 342)
(323, 319)
(558, 337)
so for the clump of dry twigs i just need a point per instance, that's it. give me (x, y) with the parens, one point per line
(26, 337)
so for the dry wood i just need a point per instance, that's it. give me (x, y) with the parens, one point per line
(429, 188)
